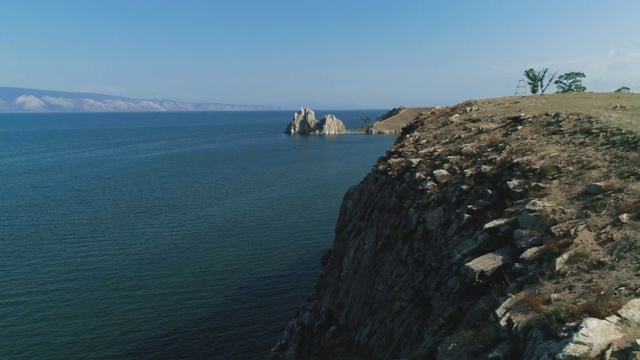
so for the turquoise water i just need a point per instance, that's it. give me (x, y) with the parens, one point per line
(164, 235)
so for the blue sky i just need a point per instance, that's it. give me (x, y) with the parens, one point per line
(323, 54)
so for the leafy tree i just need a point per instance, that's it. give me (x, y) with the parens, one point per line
(366, 121)
(570, 82)
(535, 80)
(624, 89)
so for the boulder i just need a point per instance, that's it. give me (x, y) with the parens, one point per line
(303, 122)
(595, 188)
(531, 253)
(485, 265)
(535, 222)
(631, 312)
(524, 239)
(441, 175)
(593, 338)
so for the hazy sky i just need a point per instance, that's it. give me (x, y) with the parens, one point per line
(323, 54)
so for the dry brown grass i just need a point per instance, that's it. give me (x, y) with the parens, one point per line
(596, 308)
(598, 105)
(629, 206)
(532, 301)
(397, 122)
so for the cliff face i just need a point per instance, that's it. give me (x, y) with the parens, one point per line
(486, 232)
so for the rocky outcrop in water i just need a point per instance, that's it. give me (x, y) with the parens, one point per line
(330, 125)
(479, 236)
(304, 123)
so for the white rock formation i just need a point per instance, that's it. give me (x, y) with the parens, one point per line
(304, 122)
(330, 125)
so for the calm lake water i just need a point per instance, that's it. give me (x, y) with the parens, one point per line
(164, 235)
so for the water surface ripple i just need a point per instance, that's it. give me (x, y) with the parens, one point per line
(164, 235)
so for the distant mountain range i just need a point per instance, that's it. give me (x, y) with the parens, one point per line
(31, 100)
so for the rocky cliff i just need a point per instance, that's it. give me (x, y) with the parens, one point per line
(304, 123)
(504, 229)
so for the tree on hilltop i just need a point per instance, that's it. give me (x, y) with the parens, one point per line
(624, 89)
(535, 80)
(366, 121)
(570, 82)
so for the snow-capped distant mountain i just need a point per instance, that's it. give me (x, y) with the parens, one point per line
(33, 100)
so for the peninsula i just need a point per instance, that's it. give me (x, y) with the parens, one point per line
(503, 228)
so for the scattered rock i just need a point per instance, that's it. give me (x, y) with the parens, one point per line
(496, 223)
(428, 185)
(526, 238)
(442, 176)
(631, 312)
(484, 266)
(535, 222)
(567, 228)
(468, 150)
(556, 298)
(415, 161)
(593, 338)
(538, 186)
(624, 218)
(535, 205)
(531, 253)
(595, 188)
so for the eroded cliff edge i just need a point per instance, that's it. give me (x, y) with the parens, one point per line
(504, 228)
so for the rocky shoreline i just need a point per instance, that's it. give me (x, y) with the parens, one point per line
(503, 229)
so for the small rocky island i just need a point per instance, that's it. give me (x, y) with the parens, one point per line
(304, 123)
